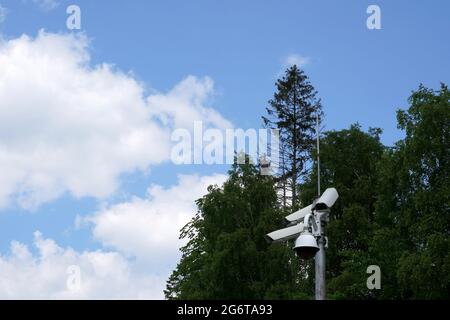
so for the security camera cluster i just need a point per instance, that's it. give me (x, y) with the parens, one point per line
(304, 225)
(307, 226)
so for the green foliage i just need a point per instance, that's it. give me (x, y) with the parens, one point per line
(393, 211)
(226, 256)
(349, 163)
(414, 196)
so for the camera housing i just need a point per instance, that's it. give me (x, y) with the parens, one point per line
(285, 234)
(326, 200)
(306, 246)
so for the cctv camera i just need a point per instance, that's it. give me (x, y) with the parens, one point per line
(285, 234)
(306, 246)
(299, 215)
(326, 200)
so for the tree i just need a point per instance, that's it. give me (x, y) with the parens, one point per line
(414, 197)
(226, 256)
(393, 211)
(293, 111)
(349, 163)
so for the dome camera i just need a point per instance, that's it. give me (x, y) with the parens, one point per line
(306, 246)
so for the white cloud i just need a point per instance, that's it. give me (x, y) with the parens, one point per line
(47, 5)
(3, 13)
(66, 126)
(184, 104)
(104, 275)
(295, 59)
(147, 228)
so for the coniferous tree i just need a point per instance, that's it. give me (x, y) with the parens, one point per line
(293, 111)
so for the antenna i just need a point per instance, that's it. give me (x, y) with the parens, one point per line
(318, 154)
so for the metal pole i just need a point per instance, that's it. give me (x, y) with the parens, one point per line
(320, 284)
(320, 270)
(318, 155)
(320, 255)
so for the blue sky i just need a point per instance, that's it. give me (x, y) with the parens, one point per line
(361, 75)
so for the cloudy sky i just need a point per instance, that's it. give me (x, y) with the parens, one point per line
(86, 177)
